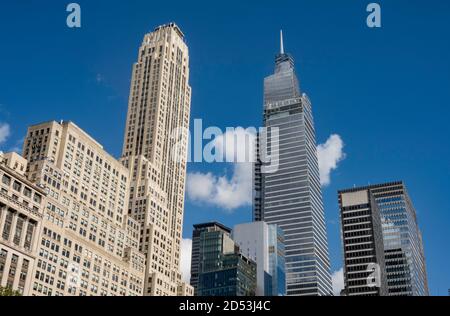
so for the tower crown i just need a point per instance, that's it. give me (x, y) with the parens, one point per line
(171, 25)
(283, 84)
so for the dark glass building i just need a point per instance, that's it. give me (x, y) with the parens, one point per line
(218, 268)
(208, 240)
(235, 275)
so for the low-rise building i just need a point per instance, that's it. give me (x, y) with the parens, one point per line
(221, 270)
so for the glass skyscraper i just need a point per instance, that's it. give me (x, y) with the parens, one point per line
(287, 192)
(402, 239)
(403, 246)
(277, 263)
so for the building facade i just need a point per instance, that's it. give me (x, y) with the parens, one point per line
(155, 152)
(264, 244)
(362, 240)
(402, 239)
(287, 192)
(88, 244)
(224, 244)
(21, 211)
(234, 275)
(218, 266)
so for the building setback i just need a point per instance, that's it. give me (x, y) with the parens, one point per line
(264, 244)
(402, 239)
(159, 104)
(287, 189)
(362, 240)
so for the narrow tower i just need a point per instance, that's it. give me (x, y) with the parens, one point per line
(290, 195)
(159, 105)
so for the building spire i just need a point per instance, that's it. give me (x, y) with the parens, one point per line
(281, 43)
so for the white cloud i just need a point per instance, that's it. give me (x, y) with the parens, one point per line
(185, 260)
(329, 154)
(4, 132)
(221, 191)
(234, 192)
(338, 282)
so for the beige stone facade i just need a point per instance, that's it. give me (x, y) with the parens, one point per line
(155, 151)
(88, 245)
(21, 213)
(77, 221)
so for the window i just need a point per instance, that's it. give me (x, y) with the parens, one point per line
(7, 226)
(17, 186)
(37, 198)
(6, 180)
(27, 192)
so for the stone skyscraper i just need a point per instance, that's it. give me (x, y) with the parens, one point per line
(290, 195)
(159, 105)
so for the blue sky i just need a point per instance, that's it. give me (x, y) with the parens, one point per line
(384, 91)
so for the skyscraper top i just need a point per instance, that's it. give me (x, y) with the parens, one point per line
(170, 25)
(281, 43)
(283, 57)
(283, 84)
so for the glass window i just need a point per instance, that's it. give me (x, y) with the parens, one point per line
(37, 198)
(27, 192)
(6, 180)
(17, 186)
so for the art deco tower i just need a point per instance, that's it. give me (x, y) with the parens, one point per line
(288, 193)
(159, 105)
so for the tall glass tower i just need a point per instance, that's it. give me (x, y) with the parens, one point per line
(403, 245)
(287, 192)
